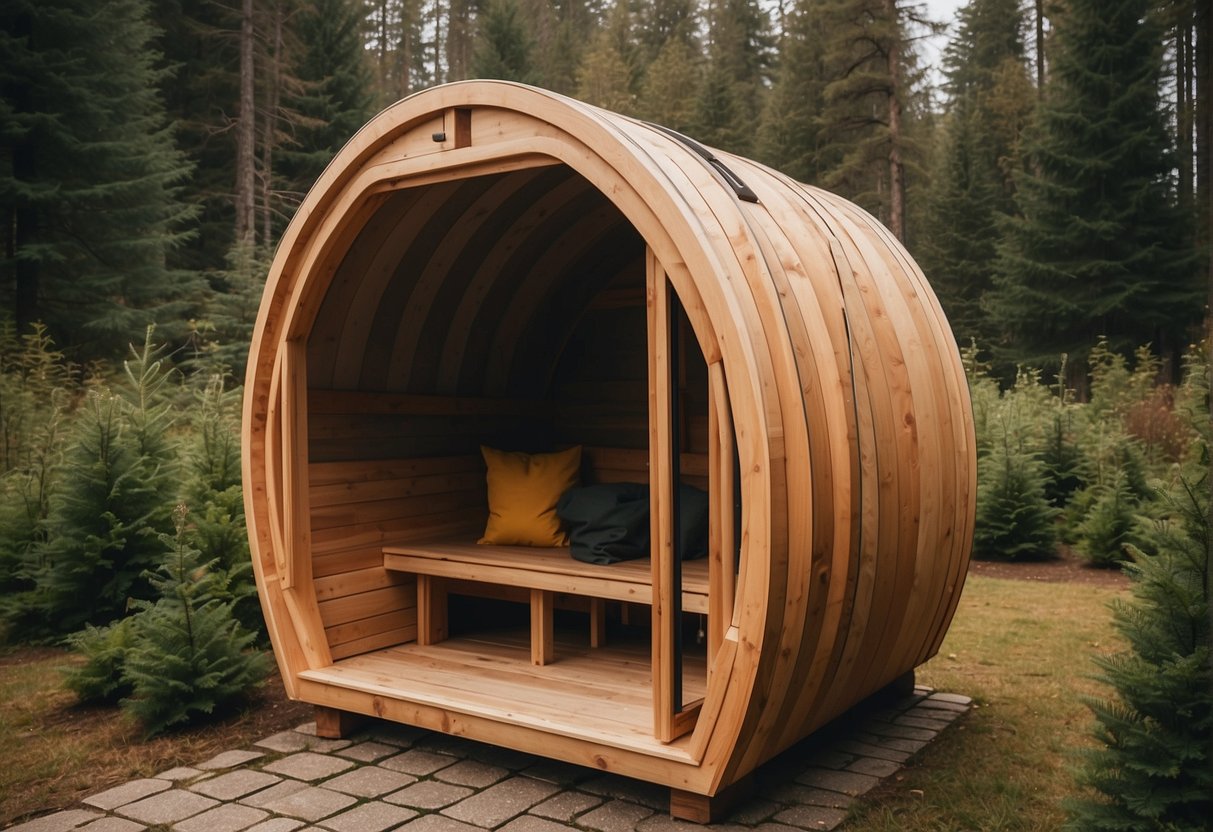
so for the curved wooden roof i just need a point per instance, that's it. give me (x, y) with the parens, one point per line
(452, 243)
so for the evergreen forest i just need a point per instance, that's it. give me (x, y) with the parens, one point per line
(1048, 163)
(1049, 168)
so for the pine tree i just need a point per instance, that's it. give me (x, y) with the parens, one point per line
(989, 100)
(101, 678)
(740, 65)
(188, 654)
(871, 69)
(1154, 766)
(1014, 519)
(503, 46)
(670, 86)
(101, 531)
(605, 77)
(1106, 526)
(792, 134)
(90, 182)
(1099, 247)
(214, 496)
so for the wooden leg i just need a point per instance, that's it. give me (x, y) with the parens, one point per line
(332, 724)
(542, 641)
(597, 622)
(702, 808)
(431, 610)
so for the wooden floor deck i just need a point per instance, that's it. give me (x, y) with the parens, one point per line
(603, 695)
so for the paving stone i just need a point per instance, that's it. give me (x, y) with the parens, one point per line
(922, 722)
(555, 771)
(796, 794)
(308, 765)
(530, 823)
(229, 817)
(566, 805)
(812, 817)
(230, 759)
(616, 816)
(868, 750)
(886, 729)
(370, 781)
(394, 733)
(179, 773)
(472, 773)
(874, 767)
(634, 791)
(908, 747)
(308, 728)
(429, 794)
(300, 800)
(829, 758)
(276, 825)
(127, 793)
(112, 824)
(368, 752)
(497, 804)
(496, 755)
(436, 823)
(369, 817)
(955, 698)
(774, 827)
(167, 807)
(936, 704)
(417, 762)
(276, 792)
(753, 811)
(846, 782)
(661, 822)
(289, 741)
(57, 822)
(235, 784)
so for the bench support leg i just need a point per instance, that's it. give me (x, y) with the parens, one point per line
(542, 642)
(431, 610)
(332, 724)
(700, 808)
(597, 622)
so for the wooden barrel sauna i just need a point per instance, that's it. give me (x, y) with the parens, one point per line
(488, 264)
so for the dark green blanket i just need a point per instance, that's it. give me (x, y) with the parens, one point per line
(609, 523)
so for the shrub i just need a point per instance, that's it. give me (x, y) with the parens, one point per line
(1014, 519)
(1106, 526)
(103, 522)
(102, 676)
(1154, 766)
(189, 655)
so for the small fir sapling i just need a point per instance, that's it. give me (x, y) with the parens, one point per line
(189, 656)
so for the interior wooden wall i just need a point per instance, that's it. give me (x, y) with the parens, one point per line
(505, 310)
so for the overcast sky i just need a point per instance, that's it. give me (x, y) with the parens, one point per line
(944, 10)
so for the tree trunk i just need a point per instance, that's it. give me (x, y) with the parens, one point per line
(1203, 116)
(246, 135)
(22, 231)
(270, 127)
(1040, 49)
(1183, 105)
(897, 187)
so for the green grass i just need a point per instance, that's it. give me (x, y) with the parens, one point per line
(1023, 651)
(56, 751)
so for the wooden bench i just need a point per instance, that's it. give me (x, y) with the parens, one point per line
(542, 571)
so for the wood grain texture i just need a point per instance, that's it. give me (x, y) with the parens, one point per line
(491, 288)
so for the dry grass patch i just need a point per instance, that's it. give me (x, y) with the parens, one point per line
(1023, 651)
(56, 752)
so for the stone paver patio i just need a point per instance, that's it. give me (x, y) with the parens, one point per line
(398, 778)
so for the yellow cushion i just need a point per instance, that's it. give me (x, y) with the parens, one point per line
(523, 490)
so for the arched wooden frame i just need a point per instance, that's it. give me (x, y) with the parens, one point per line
(829, 595)
(671, 718)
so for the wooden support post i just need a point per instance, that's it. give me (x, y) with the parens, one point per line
(597, 622)
(332, 724)
(543, 649)
(702, 808)
(431, 610)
